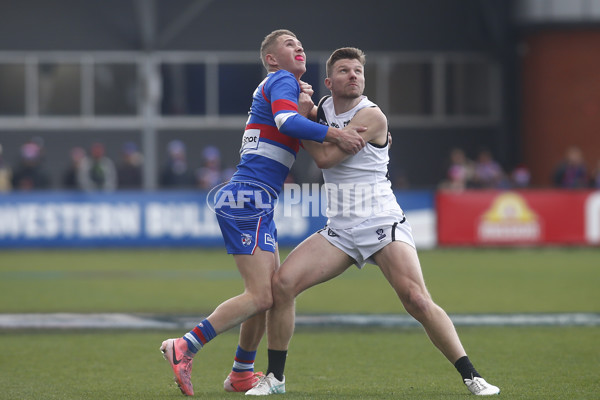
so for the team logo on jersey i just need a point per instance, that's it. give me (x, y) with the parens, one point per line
(269, 240)
(246, 239)
(380, 234)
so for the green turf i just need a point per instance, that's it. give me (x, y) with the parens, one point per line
(526, 363)
(196, 281)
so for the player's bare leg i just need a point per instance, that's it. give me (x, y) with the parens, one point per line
(314, 261)
(400, 265)
(242, 376)
(257, 271)
(252, 331)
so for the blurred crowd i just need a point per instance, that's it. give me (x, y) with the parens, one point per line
(92, 170)
(177, 173)
(572, 172)
(484, 172)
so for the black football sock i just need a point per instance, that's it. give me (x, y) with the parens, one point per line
(277, 363)
(465, 368)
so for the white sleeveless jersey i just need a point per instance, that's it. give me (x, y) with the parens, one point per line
(358, 188)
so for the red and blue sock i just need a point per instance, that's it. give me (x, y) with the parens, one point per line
(199, 336)
(244, 360)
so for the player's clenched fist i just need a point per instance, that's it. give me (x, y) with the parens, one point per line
(350, 141)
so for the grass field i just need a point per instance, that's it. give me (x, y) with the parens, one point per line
(324, 363)
(196, 281)
(527, 363)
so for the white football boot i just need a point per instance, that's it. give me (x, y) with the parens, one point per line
(479, 387)
(267, 385)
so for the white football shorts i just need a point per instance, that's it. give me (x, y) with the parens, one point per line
(362, 241)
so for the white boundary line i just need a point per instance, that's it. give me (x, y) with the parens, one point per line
(138, 321)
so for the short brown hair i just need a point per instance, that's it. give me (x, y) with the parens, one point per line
(269, 41)
(351, 53)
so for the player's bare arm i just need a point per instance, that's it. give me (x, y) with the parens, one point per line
(327, 155)
(348, 139)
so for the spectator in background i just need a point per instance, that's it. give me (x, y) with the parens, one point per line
(595, 177)
(400, 179)
(176, 174)
(129, 170)
(460, 172)
(5, 174)
(211, 173)
(571, 173)
(520, 177)
(488, 173)
(70, 178)
(97, 172)
(29, 173)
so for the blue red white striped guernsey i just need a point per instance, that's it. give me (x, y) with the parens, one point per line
(273, 131)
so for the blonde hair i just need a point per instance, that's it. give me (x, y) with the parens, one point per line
(350, 53)
(269, 41)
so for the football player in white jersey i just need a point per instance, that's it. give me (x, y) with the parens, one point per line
(365, 224)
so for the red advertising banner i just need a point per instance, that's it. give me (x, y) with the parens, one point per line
(531, 217)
